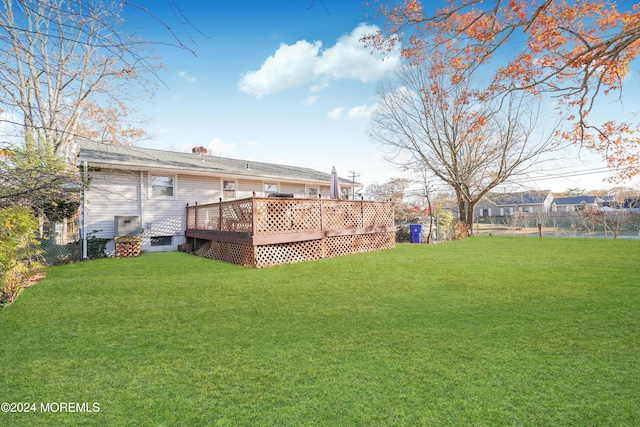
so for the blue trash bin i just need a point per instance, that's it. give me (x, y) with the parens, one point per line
(415, 233)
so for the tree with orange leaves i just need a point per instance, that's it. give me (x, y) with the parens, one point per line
(577, 51)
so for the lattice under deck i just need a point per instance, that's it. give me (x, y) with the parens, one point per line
(233, 253)
(288, 253)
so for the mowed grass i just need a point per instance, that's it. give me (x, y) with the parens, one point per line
(485, 331)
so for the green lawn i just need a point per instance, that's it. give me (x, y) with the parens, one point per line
(485, 331)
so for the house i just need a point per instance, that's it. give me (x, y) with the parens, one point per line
(145, 191)
(530, 202)
(580, 203)
(486, 207)
(632, 203)
(505, 204)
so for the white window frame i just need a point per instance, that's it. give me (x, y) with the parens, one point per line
(224, 191)
(310, 187)
(163, 175)
(266, 192)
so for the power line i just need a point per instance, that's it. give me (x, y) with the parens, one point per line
(353, 175)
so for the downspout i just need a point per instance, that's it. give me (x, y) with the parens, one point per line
(141, 205)
(85, 178)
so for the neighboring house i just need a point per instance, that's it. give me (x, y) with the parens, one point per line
(580, 203)
(486, 207)
(145, 191)
(524, 202)
(632, 203)
(505, 204)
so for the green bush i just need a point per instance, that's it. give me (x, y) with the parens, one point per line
(19, 251)
(96, 246)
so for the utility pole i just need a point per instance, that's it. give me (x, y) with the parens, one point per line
(354, 175)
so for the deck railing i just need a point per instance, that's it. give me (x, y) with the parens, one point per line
(263, 216)
(260, 231)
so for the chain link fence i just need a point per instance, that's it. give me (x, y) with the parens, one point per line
(60, 241)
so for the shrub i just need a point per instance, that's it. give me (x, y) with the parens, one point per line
(96, 246)
(461, 231)
(19, 251)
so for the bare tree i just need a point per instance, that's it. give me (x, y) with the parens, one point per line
(428, 193)
(394, 190)
(428, 120)
(615, 218)
(66, 65)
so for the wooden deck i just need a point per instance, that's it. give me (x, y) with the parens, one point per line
(261, 231)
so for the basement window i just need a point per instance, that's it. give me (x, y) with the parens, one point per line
(162, 241)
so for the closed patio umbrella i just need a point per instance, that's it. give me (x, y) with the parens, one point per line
(334, 188)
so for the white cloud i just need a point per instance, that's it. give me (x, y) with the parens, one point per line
(361, 112)
(218, 148)
(293, 66)
(350, 59)
(290, 67)
(335, 114)
(318, 87)
(254, 143)
(310, 100)
(187, 77)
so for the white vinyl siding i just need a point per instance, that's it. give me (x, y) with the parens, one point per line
(246, 188)
(167, 217)
(111, 193)
(298, 190)
(114, 193)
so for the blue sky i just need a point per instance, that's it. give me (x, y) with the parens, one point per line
(283, 81)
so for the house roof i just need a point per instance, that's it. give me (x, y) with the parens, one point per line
(578, 200)
(533, 197)
(135, 158)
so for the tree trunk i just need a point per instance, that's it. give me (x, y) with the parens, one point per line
(469, 217)
(466, 214)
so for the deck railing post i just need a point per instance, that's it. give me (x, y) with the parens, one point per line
(321, 215)
(196, 217)
(220, 215)
(362, 212)
(254, 212)
(186, 218)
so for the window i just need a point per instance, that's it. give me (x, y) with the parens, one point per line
(270, 188)
(312, 192)
(229, 189)
(162, 186)
(162, 241)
